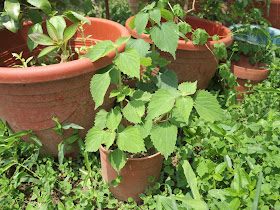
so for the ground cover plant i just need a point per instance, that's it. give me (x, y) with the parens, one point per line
(229, 164)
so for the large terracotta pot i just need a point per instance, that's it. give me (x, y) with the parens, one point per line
(244, 71)
(135, 174)
(30, 97)
(193, 62)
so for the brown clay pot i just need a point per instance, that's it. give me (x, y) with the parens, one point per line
(135, 175)
(194, 62)
(244, 71)
(30, 97)
(134, 5)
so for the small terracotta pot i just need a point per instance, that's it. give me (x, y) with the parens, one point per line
(135, 174)
(244, 71)
(30, 97)
(193, 62)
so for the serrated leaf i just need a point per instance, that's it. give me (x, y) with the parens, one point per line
(167, 80)
(37, 28)
(165, 37)
(114, 118)
(122, 40)
(98, 87)
(133, 111)
(207, 106)
(52, 30)
(145, 128)
(117, 159)
(46, 50)
(155, 15)
(141, 22)
(12, 7)
(100, 119)
(161, 102)
(141, 96)
(35, 16)
(187, 88)
(164, 138)
(128, 62)
(167, 15)
(100, 50)
(140, 45)
(60, 24)
(94, 138)
(199, 36)
(185, 106)
(41, 39)
(146, 61)
(109, 138)
(130, 140)
(42, 4)
(70, 32)
(131, 24)
(184, 27)
(191, 178)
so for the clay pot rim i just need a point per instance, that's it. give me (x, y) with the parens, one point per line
(62, 70)
(187, 45)
(131, 159)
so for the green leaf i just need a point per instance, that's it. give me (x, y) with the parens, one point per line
(9, 23)
(41, 39)
(258, 191)
(12, 7)
(67, 126)
(207, 106)
(100, 50)
(140, 95)
(220, 50)
(188, 88)
(134, 111)
(191, 178)
(37, 28)
(109, 138)
(35, 16)
(60, 24)
(121, 40)
(167, 15)
(145, 128)
(117, 159)
(80, 17)
(234, 204)
(131, 24)
(167, 79)
(70, 32)
(94, 138)
(220, 168)
(36, 140)
(98, 87)
(42, 4)
(61, 152)
(155, 15)
(164, 138)
(114, 118)
(46, 50)
(130, 140)
(128, 62)
(52, 31)
(72, 139)
(184, 27)
(100, 119)
(161, 102)
(165, 37)
(185, 106)
(199, 36)
(195, 204)
(146, 61)
(141, 22)
(140, 45)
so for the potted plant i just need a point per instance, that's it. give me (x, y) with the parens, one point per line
(30, 97)
(135, 135)
(198, 43)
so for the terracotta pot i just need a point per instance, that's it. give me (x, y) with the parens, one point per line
(244, 71)
(134, 5)
(193, 62)
(30, 97)
(135, 175)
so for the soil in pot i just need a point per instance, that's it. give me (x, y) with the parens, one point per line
(244, 71)
(135, 174)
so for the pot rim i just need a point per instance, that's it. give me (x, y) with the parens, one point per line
(187, 45)
(131, 159)
(62, 70)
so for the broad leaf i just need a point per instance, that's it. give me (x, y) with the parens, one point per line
(129, 62)
(60, 24)
(167, 15)
(141, 22)
(187, 88)
(164, 138)
(221, 167)
(167, 79)
(195, 204)
(100, 50)
(130, 140)
(191, 178)
(133, 111)
(37, 28)
(100, 119)
(52, 30)
(70, 32)
(114, 118)
(47, 50)
(109, 138)
(207, 106)
(98, 87)
(42, 4)
(165, 37)
(12, 7)
(117, 159)
(140, 95)
(41, 39)
(35, 16)
(234, 204)
(145, 128)
(81, 18)
(94, 138)
(121, 40)
(140, 45)
(155, 15)
(9, 23)
(161, 102)
(185, 106)
(199, 36)
(146, 61)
